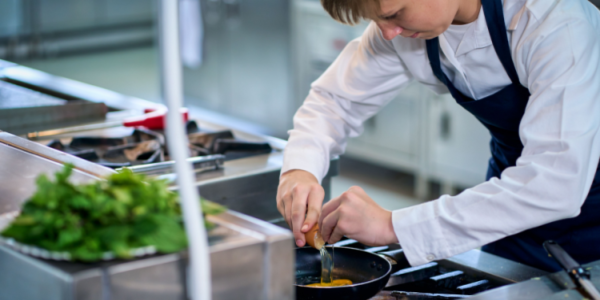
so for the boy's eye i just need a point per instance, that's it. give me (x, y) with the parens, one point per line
(390, 17)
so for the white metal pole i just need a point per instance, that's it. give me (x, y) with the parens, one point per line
(172, 90)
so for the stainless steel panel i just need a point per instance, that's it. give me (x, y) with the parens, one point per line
(77, 89)
(570, 294)
(18, 173)
(14, 96)
(552, 286)
(250, 259)
(278, 253)
(41, 151)
(157, 278)
(23, 110)
(491, 266)
(27, 278)
(199, 164)
(88, 285)
(6, 64)
(242, 279)
(537, 288)
(279, 277)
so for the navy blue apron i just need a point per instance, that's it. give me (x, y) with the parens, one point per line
(501, 113)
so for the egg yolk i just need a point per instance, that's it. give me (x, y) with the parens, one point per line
(335, 282)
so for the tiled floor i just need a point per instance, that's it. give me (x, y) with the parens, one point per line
(134, 72)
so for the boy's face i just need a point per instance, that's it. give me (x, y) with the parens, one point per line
(424, 19)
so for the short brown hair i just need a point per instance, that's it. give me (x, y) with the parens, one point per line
(351, 11)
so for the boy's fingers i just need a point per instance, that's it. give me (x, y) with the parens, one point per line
(329, 207)
(298, 212)
(336, 236)
(315, 200)
(288, 212)
(328, 225)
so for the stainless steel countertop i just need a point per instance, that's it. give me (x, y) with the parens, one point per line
(551, 286)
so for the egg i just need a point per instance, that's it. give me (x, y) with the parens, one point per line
(314, 238)
(336, 282)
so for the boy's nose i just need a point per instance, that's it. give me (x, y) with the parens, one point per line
(390, 31)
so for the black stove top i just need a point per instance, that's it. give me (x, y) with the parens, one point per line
(148, 146)
(428, 282)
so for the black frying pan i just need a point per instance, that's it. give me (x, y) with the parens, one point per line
(369, 272)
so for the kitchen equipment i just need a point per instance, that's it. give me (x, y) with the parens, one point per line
(22, 109)
(199, 164)
(457, 277)
(555, 286)
(152, 119)
(579, 275)
(251, 259)
(141, 146)
(246, 184)
(369, 272)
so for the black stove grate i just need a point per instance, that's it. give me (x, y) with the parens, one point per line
(146, 147)
(426, 282)
(141, 147)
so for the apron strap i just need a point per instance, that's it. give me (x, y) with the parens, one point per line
(433, 52)
(494, 16)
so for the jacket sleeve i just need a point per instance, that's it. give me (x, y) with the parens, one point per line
(364, 78)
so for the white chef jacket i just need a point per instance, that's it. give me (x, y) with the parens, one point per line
(555, 46)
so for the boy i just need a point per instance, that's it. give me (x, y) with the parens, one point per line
(527, 69)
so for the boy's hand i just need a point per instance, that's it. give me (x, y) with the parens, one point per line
(355, 215)
(299, 194)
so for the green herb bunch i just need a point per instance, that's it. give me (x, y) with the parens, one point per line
(124, 212)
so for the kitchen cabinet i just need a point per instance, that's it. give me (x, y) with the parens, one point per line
(130, 11)
(419, 132)
(316, 42)
(391, 137)
(90, 14)
(32, 29)
(11, 17)
(458, 151)
(53, 14)
(246, 63)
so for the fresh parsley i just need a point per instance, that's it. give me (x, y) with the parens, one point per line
(126, 211)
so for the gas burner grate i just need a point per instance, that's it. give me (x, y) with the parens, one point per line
(141, 147)
(223, 142)
(147, 147)
(429, 281)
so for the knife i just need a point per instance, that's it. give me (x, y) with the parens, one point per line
(580, 276)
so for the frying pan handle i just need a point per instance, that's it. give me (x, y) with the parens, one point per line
(396, 258)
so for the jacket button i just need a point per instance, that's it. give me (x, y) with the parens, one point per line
(430, 257)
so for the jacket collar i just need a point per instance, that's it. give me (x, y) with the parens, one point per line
(476, 37)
